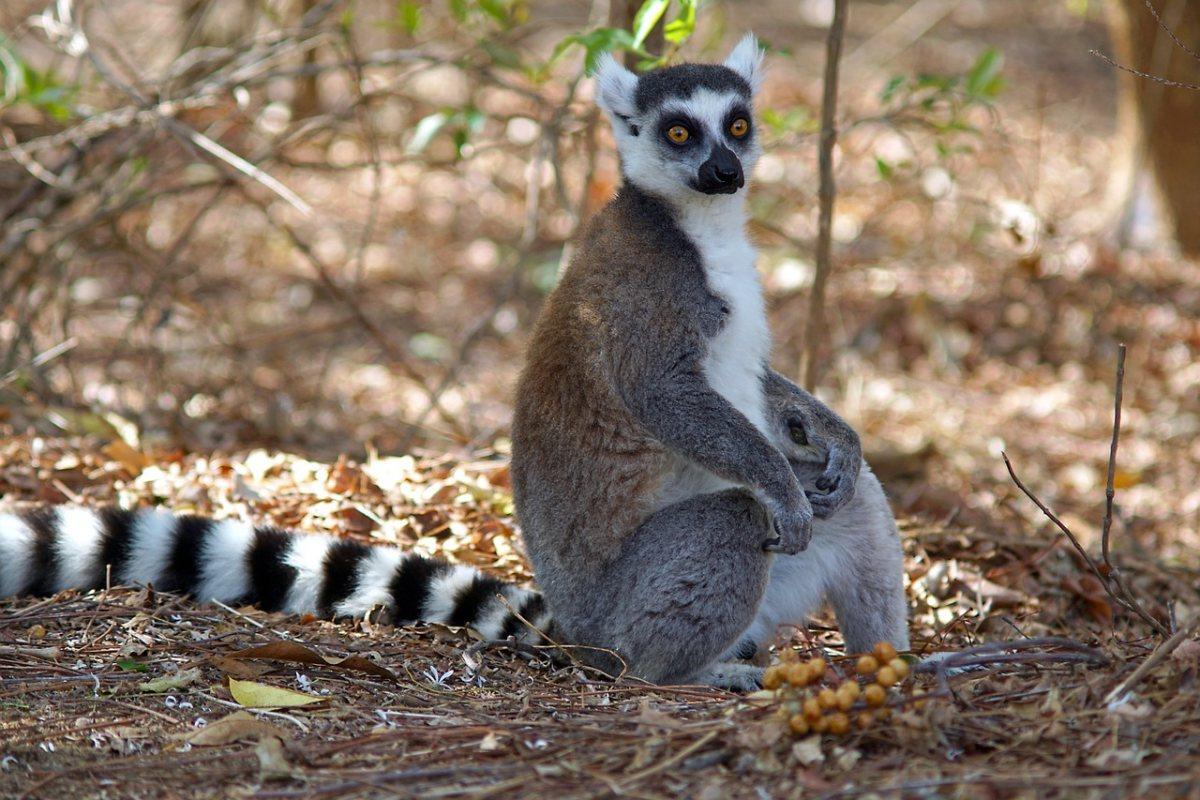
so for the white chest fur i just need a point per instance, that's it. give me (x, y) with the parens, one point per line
(737, 355)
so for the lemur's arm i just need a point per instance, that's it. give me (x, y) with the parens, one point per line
(824, 451)
(658, 372)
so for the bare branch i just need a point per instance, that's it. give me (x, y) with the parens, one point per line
(814, 334)
(1109, 492)
(1157, 18)
(1125, 599)
(1195, 87)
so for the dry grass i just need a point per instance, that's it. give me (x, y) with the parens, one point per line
(465, 720)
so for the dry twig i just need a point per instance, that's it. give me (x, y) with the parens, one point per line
(1159, 655)
(1109, 576)
(815, 333)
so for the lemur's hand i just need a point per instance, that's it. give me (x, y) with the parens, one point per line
(827, 469)
(823, 450)
(791, 518)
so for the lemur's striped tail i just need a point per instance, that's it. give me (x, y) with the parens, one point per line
(69, 547)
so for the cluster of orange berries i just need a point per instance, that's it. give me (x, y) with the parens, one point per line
(812, 708)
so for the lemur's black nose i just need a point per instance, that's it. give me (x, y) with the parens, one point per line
(721, 173)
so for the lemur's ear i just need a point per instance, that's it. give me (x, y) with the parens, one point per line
(615, 88)
(746, 60)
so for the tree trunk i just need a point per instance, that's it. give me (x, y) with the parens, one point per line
(1167, 118)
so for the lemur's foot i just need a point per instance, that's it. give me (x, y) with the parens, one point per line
(734, 677)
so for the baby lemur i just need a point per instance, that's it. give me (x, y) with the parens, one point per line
(659, 464)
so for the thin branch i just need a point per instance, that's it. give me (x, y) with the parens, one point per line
(1109, 492)
(1041, 650)
(1157, 18)
(1110, 570)
(814, 334)
(1127, 603)
(1195, 87)
(44, 357)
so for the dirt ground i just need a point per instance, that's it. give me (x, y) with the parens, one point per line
(82, 717)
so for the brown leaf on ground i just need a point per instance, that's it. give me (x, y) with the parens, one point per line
(240, 726)
(272, 760)
(299, 654)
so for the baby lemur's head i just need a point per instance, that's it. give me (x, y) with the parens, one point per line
(685, 131)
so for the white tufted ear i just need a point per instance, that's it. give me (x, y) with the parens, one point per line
(746, 60)
(615, 87)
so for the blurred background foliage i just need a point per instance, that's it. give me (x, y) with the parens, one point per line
(328, 225)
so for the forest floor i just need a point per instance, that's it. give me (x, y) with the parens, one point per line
(127, 693)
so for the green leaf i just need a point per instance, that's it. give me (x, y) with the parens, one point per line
(461, 9)
(982, 78)
(678, 30)
(891, 88)
(496, 9)
(883, 168)
(596, 43)
(425, 130)
(129, 665)
(794, 120)
(502, 56)
(408, 16)
(646, 18)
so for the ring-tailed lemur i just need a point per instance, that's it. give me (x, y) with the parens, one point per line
(656, 457)
(51, 549)
(654, 464)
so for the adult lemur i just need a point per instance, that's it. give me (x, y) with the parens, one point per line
(656, 458)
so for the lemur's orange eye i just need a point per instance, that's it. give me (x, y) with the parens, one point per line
(739, 127)
(678, 134)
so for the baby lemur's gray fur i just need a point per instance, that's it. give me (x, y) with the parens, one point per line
(658, 462)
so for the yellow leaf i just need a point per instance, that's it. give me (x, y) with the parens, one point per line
(260, 695)
(1125, 479)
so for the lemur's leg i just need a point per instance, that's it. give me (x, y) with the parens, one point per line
(855, 560)
(867, 594)
(686, 583)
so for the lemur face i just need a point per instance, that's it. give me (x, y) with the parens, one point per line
(685, 131)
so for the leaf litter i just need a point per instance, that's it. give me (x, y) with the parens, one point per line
(144, 693)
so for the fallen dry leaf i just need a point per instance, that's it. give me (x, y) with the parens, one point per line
(272, 763)
(238, 669)
(172, 682)
(238, 726)
(131, 460)
(808, 751)
(297, 653)
(261, 695)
